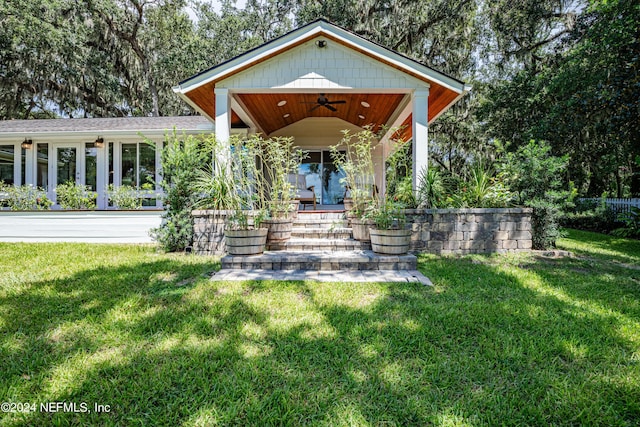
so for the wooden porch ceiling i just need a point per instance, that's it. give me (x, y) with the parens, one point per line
(265, 109)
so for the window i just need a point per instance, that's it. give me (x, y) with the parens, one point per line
(42, 168)
(91, 165)
(23, 166)
(138, 165)
(7, 162)
(111, 171)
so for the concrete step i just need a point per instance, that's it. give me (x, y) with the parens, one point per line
(320, 223)
(320, 261)
(319, 244)
(322, 233)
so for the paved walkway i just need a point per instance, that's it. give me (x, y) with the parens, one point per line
(402, 276)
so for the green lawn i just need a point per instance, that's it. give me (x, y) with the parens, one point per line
(498, 340)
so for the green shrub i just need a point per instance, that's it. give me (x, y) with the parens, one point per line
(124, 197)
(631, 221)
(74, 196)
(535, 176)
(590, 215)
(182, 157)
(432, 189)
(484, 190)
(25, 197)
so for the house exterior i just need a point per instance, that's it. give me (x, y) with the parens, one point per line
(94, 152)
(310, 84)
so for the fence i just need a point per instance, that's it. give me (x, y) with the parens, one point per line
(617, 205)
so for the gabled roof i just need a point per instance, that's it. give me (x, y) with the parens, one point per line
(198, 89)
(103, 126)
(307, 32)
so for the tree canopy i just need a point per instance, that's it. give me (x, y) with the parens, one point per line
(563, 71)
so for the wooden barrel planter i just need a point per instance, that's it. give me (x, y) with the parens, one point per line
(284, 209)
(390, 242)
(245, 242)
(360, 229)
(279, 229)
(348, 204)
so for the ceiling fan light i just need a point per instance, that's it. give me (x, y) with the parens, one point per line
(282, 103)
(365, 104)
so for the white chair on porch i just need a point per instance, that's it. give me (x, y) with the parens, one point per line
(305, 194)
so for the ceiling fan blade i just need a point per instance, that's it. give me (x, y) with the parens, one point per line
(329, 107)
(313, 108)
(337, 102)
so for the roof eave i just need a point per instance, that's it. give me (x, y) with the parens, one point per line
(91, 134)
(466, 89)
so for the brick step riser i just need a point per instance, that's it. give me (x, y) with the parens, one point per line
(330, 235)
(320, 266)
(323, 245)
(314, 216)
(323, 225)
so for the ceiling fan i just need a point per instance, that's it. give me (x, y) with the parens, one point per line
(323, 101)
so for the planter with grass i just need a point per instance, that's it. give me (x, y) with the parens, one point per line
(388, 234)
(280, 159)
(390, 242)
(246, 242)
(279, 229)
(235, 190)
(360, 228)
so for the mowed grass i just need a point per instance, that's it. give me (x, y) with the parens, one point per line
(499, 340)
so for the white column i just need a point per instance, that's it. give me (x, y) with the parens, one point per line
(223, 114)
(102, 178)
(30, 164)
(419, 127)
(17, 164)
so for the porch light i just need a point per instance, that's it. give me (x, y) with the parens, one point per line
(365, 104)
(321, 43)
(27, 144)
(99, 142)
(282, 103)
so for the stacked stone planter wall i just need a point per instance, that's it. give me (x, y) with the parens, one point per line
(208, 232)
(438, 231)
(464, 231)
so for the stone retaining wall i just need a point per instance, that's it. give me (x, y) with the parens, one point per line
(208, 232)
(438, 231)
(464, 231)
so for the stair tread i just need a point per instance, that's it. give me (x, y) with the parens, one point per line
(346, 256)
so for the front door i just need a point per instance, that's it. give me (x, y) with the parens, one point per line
(73, 162)
(322, 173)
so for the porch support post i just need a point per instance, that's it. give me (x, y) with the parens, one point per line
(419, 127)
(223, 114)
(101, 176)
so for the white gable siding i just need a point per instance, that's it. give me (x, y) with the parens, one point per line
(309, 67)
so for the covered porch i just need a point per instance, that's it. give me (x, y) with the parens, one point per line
(317, 81)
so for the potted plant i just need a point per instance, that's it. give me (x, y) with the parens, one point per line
(235, 189)
(280, 160)
(353, 155)
(388, 234)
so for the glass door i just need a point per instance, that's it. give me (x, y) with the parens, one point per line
(76, 163)
(332, 189)
(321, 172)
(66, 162)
